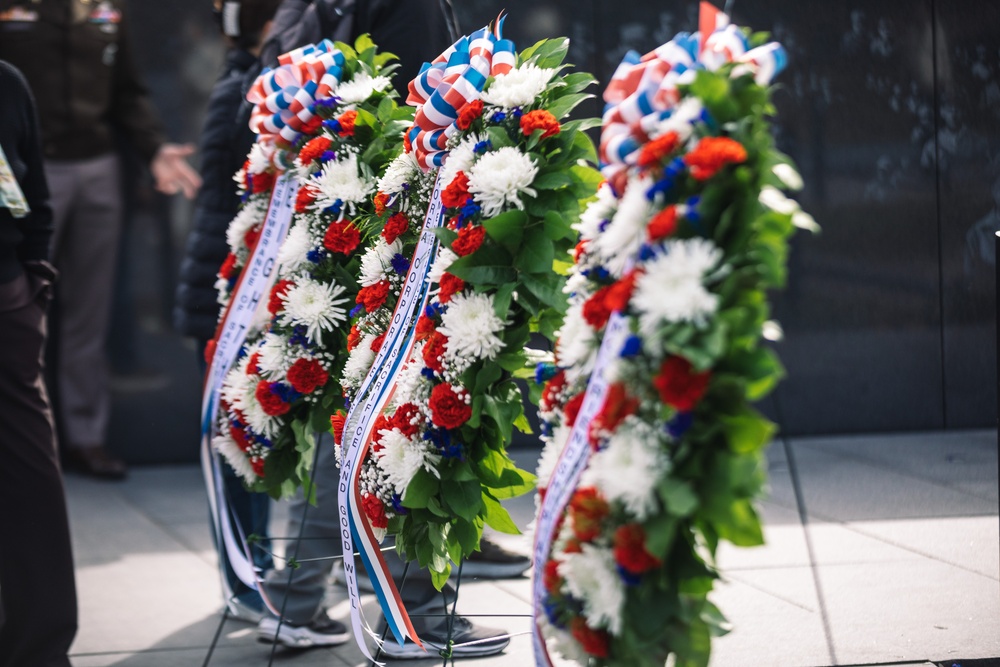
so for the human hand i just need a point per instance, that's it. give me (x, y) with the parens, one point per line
(172, 172)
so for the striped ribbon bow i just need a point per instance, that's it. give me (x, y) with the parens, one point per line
(454, 79)
(283, 97)
(643, 90)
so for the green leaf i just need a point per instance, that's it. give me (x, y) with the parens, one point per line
(742, 527)
(489, 265)
(564, 105)
(440, 578)
(747, 432)
(445, 236)
(679, 498)
(467, 534)
(421, 488)
(507, 229)
(552, 180)
(464, 499)
(548, 53)
(537, 252)
(498, 518)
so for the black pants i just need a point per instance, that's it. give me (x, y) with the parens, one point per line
(37, 584)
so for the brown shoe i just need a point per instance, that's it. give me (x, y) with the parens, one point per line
(96, 462)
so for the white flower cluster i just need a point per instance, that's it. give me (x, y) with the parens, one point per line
(471, 326)
(500, 177)
(343, 180)
(518, 87)
(317, 306)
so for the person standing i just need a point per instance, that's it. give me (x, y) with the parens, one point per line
(38, 615)
(78, 62)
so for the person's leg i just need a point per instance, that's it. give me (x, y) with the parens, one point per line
(88, 221)
(37, 586)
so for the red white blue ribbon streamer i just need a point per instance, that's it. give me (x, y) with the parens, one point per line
(254, 283)
(283, 97)
(644, 90)
(370, 401)
(452, 80)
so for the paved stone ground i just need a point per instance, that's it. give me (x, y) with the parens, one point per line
(888, 553)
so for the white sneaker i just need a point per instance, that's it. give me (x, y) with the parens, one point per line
(323, 631)
(467, 641)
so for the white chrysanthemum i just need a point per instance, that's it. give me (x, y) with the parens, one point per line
(499, 178)
(444, 259)
(401, 171)
(248, 216)
(340, 180)
(361, 87)
(775, 199)
(786, 174)
(601, 209)
(260, 157)
(234, 456)
(239, 389)
(681, 120)
(471, 327)
(376, 263)
(460, 158)
(518, 87)
(576, 344)
(316, 306)
(401, 458)
(359, 361)
(294, 251)
(671, 287)
(411, 385)
(630, 467)
(240, 178)
(550, 455)
(275, 357)
(619, 243)
(591, 577)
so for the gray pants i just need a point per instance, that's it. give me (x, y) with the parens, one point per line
(320, 541)
(87, 205)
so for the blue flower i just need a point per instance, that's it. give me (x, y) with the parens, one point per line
(498, 117)
(400, 264)
(549, 605)
(397, 504)
(285, 392)
(482, 146)
(516, 113)
(357, 310)
(632, 346)
(544, 371)
(327, 156)
(646, 252)
(433, 309)
(680, 424)
(629, 578)
(604, 225)
(427, 373)
(333, 125)
(335, 208)
(316, 255)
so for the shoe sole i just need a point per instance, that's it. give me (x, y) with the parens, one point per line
(492, 570)
(411, 651)
(287, 637)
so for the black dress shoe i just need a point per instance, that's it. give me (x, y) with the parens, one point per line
(96, 462)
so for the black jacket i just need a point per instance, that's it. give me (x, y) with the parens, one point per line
(22, 239)
(225, 141)
(76, 57)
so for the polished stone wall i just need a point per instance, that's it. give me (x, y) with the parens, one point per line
(889, 107)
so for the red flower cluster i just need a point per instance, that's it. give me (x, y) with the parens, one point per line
(617, 406)
(553, 388)
(594, 642)
(257, 463)
(587, 509)
(228, 268)
(596, 309)
(209, 352)
(342, 236)
(381, 199)
(270, 402)
(630, 550)
(346, 121)
(304, 199)
(457, 192)
(540, 119)
(678, 385)
(657, 149)
(337, 422)
(239, 436)
(252, 235)
(620, 293)
(572, 409)
(663, 224)
(262, 182)
(314, 149)
(253, 364)
(305, 375)
(712, 154)
(551, 576)
(450, 286)
(396, 224)
(433, 351)
(448, 408)
(375, 510)
(425, 327)
(469, 113)
(275, 305)
(468, 241)
(377, 342)
(353, 337)
(373, 296)
(312, 125)
(407, 419)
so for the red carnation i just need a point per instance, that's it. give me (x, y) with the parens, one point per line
(468, 241)
(262, 182)
(657, 149)
(251, 236)
(448, 408)
(381, 200)
(257, 463)
(587, 509)
(450, 286)
(620, 293)
(468, 114)
(457, 192)
(373, 296)
(270, 402)
(337, 421)
(346, 121)
(425, 326)
(572, 408)
(596, 309)
(552, 389)
(540, 119)
(353, 338)
(617, 406)
(314, 149)
(396, 225)
(678, 385)
(433, 351)
(551, 576)
(407, 419)
(630, 550)
(304, 199)
(209, 351)
(374, 510)
(341, 236)
(253, 364)
(594, 642)
(228, 268)
(376, 344)
(712, 154)
(312, 125)
(305, 375)
(663, 224)
(275, 305)
(382, 423)
(578, 251)
(239, 436)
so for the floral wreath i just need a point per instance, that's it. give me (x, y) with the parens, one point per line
(670, 277)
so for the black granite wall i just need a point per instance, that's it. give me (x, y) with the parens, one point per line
(890, 109)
